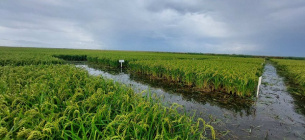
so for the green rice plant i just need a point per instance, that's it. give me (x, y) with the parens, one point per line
(65, 102)
(294, 71)
(238, 76)
(72, 57)
(208, 72)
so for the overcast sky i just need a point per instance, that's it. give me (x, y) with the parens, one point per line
(259, 27)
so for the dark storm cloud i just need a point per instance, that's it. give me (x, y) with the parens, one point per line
(249, 27)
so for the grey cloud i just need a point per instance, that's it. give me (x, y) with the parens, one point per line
(249, 27)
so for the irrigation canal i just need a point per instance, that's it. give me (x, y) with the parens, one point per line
(271, 116)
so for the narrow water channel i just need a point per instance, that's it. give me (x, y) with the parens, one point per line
(271, 116)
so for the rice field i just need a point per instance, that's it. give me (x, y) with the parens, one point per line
(41, 98)
(227, 74)
(44, 97)
(209, 73)
(237, 76)
(294, 70)
(64, 102)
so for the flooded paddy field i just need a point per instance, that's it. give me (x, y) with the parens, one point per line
(272, 115)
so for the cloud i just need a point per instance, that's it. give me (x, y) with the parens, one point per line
(249, 27)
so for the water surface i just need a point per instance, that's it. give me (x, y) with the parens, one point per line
(271, 116)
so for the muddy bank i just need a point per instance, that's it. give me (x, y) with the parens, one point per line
(272, 116)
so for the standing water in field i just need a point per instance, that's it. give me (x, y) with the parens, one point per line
(272, 116)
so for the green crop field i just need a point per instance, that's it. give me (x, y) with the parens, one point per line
(210, 73)
(294, 70)
(230, 75)
(42, 98)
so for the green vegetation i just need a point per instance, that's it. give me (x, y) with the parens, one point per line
(25, 56)
(294, 70)
(227, 74)
(62, 101)
(42, 98)
(230, 75)
(111, 57)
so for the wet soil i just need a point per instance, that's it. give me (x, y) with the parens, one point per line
(271, 116)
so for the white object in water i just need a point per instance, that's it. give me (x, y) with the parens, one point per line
(259, 83)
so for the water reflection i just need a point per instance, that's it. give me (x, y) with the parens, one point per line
(272, 116)
(237, 105)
